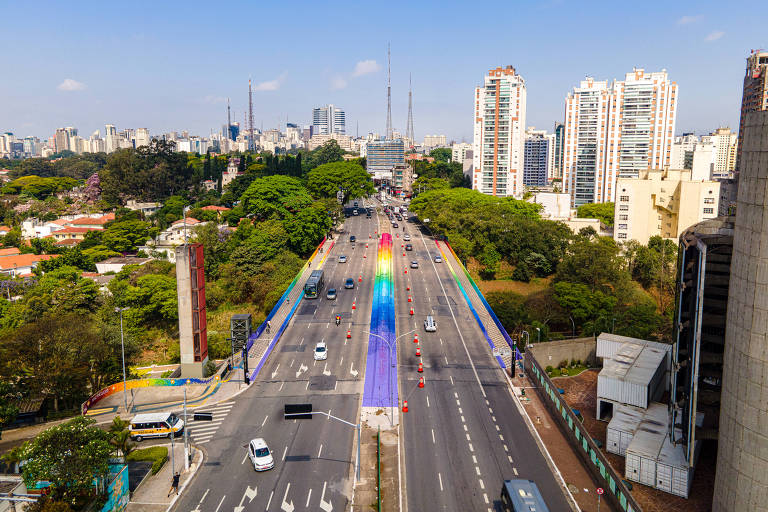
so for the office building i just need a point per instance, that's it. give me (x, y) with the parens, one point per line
(557, 165)
(617, 131)
(538, 159)
(327, 120)
(742, 454)
(662, 202)
(382, 156)
(499, 133)
(141, 138)
(435, 141)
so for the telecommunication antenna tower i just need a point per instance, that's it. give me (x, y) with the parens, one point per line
(229, 122)
(389, 98)
(250, 116)
(409, 130)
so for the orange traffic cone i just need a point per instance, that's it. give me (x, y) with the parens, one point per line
(415, 338)
(421, 367)
(406, 271)
(421, 382)
(349, 334)
(353, 305)
(364, 256)
(407, 288)
(405, 405)
(418, 351)
(411, 311)
(410, 299)
(360, 279)
(403, 254)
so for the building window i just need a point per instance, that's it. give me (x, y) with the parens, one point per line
(623, 207)
(708, 210)
(623, 236)
(624, 198)
(622, 226)
(623, 217)
(709, 200)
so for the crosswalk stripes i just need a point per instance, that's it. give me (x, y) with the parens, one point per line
(202, 432)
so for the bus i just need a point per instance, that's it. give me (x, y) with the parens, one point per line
(314, 284)
(519, 495)
(156, 424)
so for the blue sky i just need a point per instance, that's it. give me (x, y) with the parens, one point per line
(170, 65)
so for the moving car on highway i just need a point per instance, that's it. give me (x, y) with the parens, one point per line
(349, 283)
(408, 247)
(260, 456)
(331, 295)
(321, 351)
(342, 258)
(438, 259)
(414, 264)
(429, 324)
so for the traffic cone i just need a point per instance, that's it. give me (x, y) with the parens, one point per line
(421, 367)
(410, 299)
(364, 256)
(406, 271)
(416, 338)
(405, 405)
(353, 305)
(360, 279)
(407, 288)
(411, 311)
(349, 334)
(403, 254)
(418, 351)
(421, 381)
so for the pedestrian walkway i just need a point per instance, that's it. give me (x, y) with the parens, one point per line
(202, 432)
(153, 493)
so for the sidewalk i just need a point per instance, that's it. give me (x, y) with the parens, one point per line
(576, 476)
(152, 494)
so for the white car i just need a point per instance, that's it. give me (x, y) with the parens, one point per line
(438, 259)
(321, 351)
(342, 259)
(260, 456)
(407, 238)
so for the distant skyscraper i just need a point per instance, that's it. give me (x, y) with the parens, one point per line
(557, 165)
(538, 158)
(617, 131)
(725, 143)
(327, 120)
(499, 134)
(111, 141)
(62, 140)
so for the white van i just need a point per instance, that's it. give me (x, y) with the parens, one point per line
(156, 424)
(429, 324)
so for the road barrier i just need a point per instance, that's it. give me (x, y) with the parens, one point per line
(579, 438)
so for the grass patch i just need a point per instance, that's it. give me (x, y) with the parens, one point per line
(157, 455)
(567, 372)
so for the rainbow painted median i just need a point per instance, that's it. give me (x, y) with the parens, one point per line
(380, 388)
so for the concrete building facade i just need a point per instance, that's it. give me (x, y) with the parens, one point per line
(663, 203)
(741, 479)
(499, 133)
(538, 159)
(328, 119)
(381, 157)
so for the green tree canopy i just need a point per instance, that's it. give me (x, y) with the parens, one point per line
(601, 211)
(275, 195)
(325, 180)
(441, 154)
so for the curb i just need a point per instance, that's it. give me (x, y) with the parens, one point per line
(188, 480)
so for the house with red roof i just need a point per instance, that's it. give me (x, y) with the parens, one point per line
(21, 265)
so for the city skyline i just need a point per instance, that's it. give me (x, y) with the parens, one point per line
(156, 76)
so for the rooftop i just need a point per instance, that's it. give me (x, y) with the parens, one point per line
(634, 363)
(124, 261)
(23, 260)
(10, 251)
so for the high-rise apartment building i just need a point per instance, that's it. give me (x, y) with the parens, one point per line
(111, 141)
(434, 141)
(460, 151)
(538, 159)
(617, 131)
(328, 119)
(725, 145)
(61, 138)
(141, 137)
(682, 151)
(662, 203)
(557, 165)
(499, 134)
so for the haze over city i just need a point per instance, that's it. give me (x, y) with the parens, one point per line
(168, 67)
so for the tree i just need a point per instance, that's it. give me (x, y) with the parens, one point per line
(121, 436)
(68, 456)
(594, 262)
(125, 236)
(325, 180)
(441, 154)
(601, 211)
(8, 397)
(327, 153)
(583, 304)
(275, 195)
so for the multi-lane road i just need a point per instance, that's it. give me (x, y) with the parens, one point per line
(460, 439)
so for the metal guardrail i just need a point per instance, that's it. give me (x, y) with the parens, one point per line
(578, 436)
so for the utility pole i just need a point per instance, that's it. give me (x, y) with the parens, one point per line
(186, 433)
(122, 348)
(389, 97)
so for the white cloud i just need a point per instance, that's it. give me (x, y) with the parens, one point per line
(338, 82)
(714, 36)
(685, 20)
(270, 85)
(364, 67)
(71, 85)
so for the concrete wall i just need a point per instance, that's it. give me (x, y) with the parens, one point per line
(741, 480)
(550, 353)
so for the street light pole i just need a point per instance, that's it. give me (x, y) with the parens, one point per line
(186, 435)
(538, 335)
(574, 326)
(122, 349)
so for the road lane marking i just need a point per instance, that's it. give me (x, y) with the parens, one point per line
(284, 452)
(465, 428)
(320, 450)
(471, 448)
(276, 369)
(501, 437)
(427, 401)
(462, 416)
(477, 470)
(287, 506)
(490, 411)
(204, 495)
(222, 501)
(510, 459)
(265, 420)
(458, 403)
(270, 499)
(281, 385)
(474, 459)
(245, 457)
(506, 449)
(433, 436)
(482, 485)
(460, 411)
(440, 477)
(309, 495)
(485, 497)
(341, 360)
(455, 394)
(498, 429)
(307, 387)
(325, 505)
(451, 376)
(515, 470)
(292, 361)
(493, 418)
(468, 438)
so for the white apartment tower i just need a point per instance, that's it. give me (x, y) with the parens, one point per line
(498, 150)
(617, 131)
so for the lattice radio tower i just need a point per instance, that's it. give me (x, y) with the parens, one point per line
(389, 98)
(409, 130)
(229, 122)
(250, 116)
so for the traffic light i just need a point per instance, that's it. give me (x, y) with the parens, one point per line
(246, 377)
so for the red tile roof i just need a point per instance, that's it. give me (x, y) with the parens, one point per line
(23, 260)
(71, 229)
(215, 208)
(190, 221)
(68, 241)
(10, 251)
(4, 228)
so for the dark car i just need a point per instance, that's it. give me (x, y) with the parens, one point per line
(352, 238)
(349, 283)
(394, 225)
(408, 247)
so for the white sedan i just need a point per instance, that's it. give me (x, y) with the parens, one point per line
(321, 351)
(260, 456)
